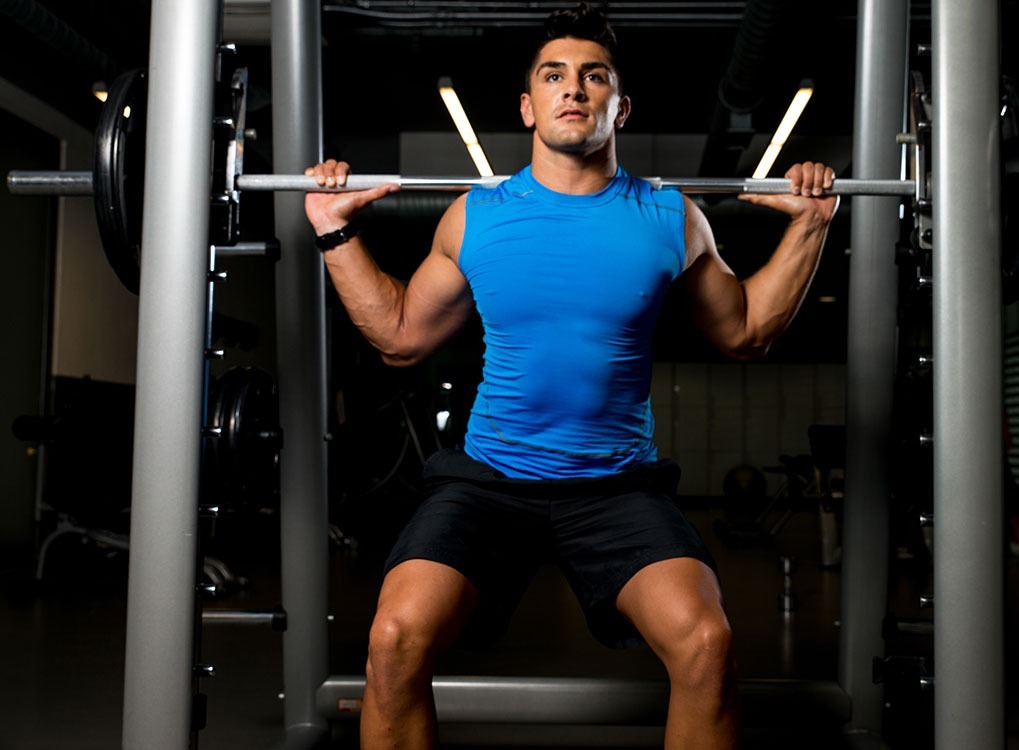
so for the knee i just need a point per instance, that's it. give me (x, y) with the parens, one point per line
(399, 651)
(699, 653)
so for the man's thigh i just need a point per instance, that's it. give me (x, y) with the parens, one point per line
(671, 598)
(493, 541)
(605, 542)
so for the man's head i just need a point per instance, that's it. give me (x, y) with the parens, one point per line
(581, 22)
(573, 98)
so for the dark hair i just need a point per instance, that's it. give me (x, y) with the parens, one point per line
(581, 22)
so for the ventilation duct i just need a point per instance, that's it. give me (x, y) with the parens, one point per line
(741, 90)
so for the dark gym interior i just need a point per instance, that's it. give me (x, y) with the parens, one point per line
(762, 444)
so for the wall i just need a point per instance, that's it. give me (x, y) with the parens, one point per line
(444, 154)
(94, 317)
(712, 417)
(64, 312)
(27, 247)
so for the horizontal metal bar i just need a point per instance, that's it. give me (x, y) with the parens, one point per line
(779, 185)
(230, 617)
(49, 183)
(80, 183)
(522, 700)
(241, 249)
(693, 185)
(595, 701)
(276, 619)
(304, 183)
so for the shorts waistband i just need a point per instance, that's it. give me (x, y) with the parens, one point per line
(452, 464)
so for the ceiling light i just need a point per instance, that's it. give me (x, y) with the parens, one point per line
(100, 90)
(796, 107)
(463, 125)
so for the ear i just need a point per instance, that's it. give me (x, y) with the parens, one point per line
(624, 111)
(526, 114)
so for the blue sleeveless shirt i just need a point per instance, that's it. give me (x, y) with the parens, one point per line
(569, 288)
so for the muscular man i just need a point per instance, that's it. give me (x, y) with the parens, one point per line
(567, 263)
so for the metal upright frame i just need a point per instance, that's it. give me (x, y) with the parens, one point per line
(300, 325)
(968, 462)
(168, 410)
(870, 358)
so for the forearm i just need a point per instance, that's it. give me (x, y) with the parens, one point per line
(374, 300)
(776, 292)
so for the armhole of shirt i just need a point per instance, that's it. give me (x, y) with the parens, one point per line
(465, 242)
(681, 237)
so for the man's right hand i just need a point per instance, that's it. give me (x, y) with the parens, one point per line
(328, 212)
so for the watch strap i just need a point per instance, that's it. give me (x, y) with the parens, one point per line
(337, 237)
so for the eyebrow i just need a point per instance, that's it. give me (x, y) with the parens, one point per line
(584, 67)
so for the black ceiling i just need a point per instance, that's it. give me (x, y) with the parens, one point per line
(672, 69)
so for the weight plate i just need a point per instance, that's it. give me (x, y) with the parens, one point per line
(119, 175)
(243, 462)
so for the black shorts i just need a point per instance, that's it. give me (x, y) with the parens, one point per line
(498, 531)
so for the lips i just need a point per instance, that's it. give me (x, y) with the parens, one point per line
(571, 113)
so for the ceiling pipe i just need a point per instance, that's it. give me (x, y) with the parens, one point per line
(437, 14)
(741, 89)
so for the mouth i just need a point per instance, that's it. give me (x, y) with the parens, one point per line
(571, 114)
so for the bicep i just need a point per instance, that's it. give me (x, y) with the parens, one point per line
(439, 282)
(712, 295)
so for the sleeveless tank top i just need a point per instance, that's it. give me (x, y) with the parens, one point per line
(569, 288)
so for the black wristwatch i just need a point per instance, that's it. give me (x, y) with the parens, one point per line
(337, 237)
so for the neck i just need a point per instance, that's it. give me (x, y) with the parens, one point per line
(573, 173)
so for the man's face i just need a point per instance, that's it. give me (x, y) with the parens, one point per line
(574, 103)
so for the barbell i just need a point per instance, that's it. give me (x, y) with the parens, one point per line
(81, 183)
(117, 177)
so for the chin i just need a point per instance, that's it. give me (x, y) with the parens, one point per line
(578, 143)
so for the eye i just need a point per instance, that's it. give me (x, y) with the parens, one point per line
(596, 77)
(553, 77)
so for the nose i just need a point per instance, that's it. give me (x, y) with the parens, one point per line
(575, 90)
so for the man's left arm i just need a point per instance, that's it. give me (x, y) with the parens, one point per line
(743, 319)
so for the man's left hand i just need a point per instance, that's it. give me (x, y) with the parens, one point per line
(805, 199)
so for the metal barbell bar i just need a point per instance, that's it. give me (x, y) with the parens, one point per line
(80, 183)
(49, 183)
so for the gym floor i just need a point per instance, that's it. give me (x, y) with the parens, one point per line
(62, 648)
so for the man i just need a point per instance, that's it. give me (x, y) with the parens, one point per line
(567, 263)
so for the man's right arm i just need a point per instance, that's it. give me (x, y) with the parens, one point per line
(408, 322)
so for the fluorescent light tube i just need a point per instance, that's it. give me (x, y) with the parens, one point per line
(796, 107)
(463, 126)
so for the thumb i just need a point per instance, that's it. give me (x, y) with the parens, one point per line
(362, 198)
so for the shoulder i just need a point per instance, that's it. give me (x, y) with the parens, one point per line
(450, 231)
(637, 188)
(700, 240)
(515, 186)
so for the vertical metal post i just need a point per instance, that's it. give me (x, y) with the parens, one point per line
(881, 59)
(968, 463)
(300, 321)
(171, 322)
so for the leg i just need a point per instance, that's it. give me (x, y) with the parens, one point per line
(422, 607)
(676, 605)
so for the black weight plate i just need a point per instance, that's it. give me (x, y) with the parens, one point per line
(245, 457)
(119, 175)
